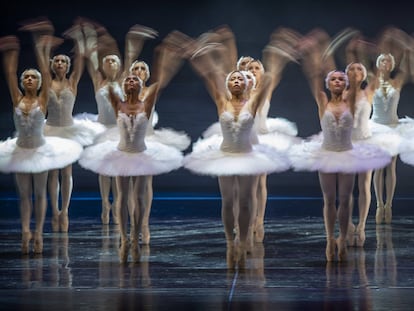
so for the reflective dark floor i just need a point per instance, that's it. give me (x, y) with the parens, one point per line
(184, 267)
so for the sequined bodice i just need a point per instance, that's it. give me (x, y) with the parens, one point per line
(363, 110)
(132, 130)
(106, 114)
(29, 127)
(385, 106)
(236, 133)
(60, 108)
(337, 132)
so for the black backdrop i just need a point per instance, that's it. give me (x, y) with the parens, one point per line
(184, 104)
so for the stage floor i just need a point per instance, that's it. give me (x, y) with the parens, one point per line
(184, 268)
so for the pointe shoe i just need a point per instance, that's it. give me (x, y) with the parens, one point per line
(350, 237)
(379, 215)
(55, 223)
(259, 234)
(360, 237)
(26, 237)
(135, 251)
(145, 235)
(38, 243)
(388, 214)
(64, 221)
(123, 252)
(105, 214)
(342, 250)
(330, 249)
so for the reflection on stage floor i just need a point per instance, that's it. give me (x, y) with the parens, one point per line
(184, 267)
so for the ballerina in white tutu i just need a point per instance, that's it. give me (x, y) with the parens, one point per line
(133, 158)
(231, 156)
(335, 157)
(60, 121)
(357, 51)
(362, 133)
(167, 136)
(100, 45)
(278, 132)
(31, 155)
(277, 54)
(392, 45)
(275, 131)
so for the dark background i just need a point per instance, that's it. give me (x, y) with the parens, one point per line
(185, 104)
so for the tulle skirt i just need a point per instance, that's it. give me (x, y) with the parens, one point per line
(207, 159)
(390, 138)
(86, 116)
(106, 159)
(280, 125)
(170, 137)
(407, 152)
(310, 156)
(166, 136)
(82, 131)
(274, 125)
(401, 138)
(408, 156)
(405, 127)
(55, 153)
(280, 141)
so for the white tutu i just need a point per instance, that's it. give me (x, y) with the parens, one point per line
(274, 125)
(407, 155)
(169, 137)
(55, 153)
(387, 137)
(382, 136)
(280, 125)
(86, 116)
(106, 159)
(281, 135)
(207, 159)
(279, 141)
(83, 131)
(111, 133)
(405, 127)
(213, 129)
(310, 156)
